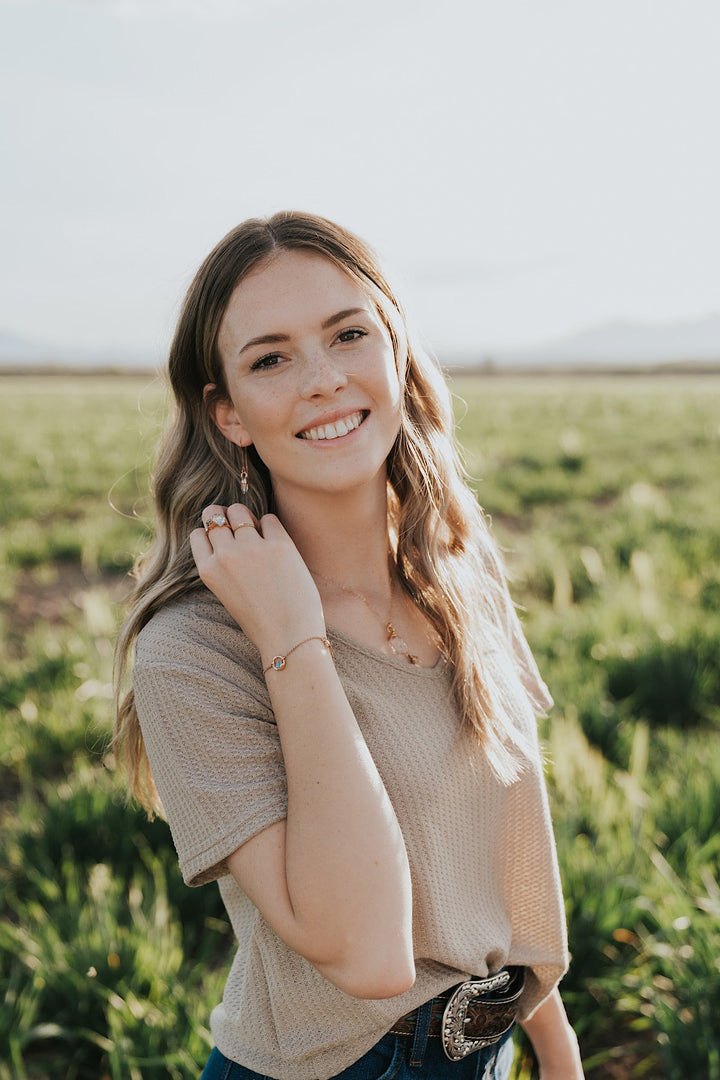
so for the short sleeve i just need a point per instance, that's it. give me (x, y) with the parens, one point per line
(211, 739)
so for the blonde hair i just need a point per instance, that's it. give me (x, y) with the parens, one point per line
(445, 558)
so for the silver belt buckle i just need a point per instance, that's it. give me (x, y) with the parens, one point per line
(455, 1043)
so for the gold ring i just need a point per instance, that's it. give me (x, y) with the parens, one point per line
(217, 521)
(242, 525)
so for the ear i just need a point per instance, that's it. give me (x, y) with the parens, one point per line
(224, 416)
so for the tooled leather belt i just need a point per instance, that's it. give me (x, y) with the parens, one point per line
(473, 1014)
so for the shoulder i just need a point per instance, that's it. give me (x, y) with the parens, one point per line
(193, 630)
(198, 618)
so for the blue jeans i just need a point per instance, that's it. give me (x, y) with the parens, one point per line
(399, 1057)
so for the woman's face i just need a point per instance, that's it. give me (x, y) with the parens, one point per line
(311, 376)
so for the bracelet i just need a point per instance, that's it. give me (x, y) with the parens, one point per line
(278, 662)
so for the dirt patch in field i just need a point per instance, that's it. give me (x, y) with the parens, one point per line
(55, 594)
(511, 523)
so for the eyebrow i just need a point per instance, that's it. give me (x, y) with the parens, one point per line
(273, 339)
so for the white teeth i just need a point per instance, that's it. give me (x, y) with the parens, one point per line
(334, 431)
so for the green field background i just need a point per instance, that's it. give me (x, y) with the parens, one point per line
(604, 493)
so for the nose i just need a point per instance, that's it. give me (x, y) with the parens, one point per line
(324, 374)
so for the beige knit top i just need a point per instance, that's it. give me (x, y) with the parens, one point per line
(485, 881)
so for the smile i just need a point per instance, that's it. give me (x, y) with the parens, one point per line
(336, 430)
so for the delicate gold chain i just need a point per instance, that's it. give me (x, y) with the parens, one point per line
(395, 642)
(278, 662)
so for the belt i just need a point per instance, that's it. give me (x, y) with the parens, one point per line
(471, 1015)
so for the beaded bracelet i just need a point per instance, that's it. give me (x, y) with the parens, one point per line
(278, 662)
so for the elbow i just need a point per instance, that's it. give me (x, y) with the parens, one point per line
(384, 978)
(383, 984)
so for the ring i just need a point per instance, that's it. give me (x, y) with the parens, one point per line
(242, 525)
(217, 521)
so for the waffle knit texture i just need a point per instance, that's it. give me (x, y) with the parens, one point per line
(486, 888)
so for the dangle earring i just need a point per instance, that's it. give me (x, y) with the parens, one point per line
(244, 480)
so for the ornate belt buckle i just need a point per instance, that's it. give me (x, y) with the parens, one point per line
(455, 1043)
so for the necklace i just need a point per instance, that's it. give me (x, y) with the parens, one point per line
(394, 641)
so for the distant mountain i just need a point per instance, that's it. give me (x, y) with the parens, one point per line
(614, 344)
(15, 349)
(624, 341)
(619, 344)
(18, 352)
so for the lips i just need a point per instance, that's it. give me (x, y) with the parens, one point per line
(335, 430)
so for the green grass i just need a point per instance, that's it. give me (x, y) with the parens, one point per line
(604, 494)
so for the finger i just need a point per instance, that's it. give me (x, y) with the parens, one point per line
(240, 517)
(215, 521)
(270, 525)
(200, 545)
(211, 511)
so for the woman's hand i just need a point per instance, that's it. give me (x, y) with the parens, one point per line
(257, 573)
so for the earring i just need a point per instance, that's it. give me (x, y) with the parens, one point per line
(244, 480)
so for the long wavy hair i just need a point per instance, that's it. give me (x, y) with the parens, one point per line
(445, 558)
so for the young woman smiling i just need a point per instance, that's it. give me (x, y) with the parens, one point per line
(332, 699)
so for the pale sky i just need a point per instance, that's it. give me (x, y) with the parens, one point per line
(525, 167)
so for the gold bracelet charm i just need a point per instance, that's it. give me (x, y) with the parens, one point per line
(278, 662)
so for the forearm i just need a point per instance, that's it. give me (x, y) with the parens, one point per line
(554, 1041)
(332, 880)
(346, 867)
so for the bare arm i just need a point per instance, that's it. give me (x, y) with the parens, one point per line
(554, 1041)
(333, 880)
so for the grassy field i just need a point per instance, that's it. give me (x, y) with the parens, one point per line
(604, 493)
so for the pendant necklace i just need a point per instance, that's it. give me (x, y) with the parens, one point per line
(394, 641)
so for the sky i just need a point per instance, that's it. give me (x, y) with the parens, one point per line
(525, 168)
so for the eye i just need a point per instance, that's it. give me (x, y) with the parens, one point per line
(351, 335)
(271, 360)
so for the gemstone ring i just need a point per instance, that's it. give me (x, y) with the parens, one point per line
(217, 521)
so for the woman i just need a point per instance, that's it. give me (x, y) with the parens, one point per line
(332, 696)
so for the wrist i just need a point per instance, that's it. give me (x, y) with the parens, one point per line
(277, 637)
(278, 662)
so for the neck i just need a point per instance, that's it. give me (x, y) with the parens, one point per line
(343, 537)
